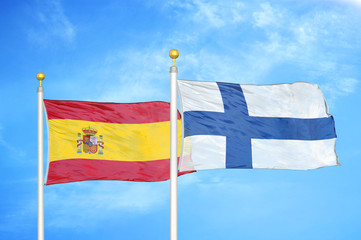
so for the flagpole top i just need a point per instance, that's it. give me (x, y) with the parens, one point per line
(40, 76)
(174, 55)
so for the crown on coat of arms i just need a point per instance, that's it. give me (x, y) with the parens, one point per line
(89, 131)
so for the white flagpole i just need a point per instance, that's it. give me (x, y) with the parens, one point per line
(40, 76)
(173, 148)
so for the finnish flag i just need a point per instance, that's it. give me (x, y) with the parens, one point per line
(283, 126)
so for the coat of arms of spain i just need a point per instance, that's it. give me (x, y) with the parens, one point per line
(90, 141)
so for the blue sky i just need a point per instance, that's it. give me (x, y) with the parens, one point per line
(117, 51)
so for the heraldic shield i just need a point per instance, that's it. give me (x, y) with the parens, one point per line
(90, 141)
(90, 144)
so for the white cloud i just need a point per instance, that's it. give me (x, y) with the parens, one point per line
(347, 85)
(215, 14)
(304, 34)
(353, 2)
(53, 24)
(268, 16)
(218, 15)
(308, 42)
(133, 76)
(284, 37)
(305, 41)
(338, 87)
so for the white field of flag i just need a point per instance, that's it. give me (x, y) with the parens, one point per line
(283, 126)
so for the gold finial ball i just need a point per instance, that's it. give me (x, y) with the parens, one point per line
(173, 53)
(40, 76)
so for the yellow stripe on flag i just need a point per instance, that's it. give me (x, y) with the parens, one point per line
(122, 142)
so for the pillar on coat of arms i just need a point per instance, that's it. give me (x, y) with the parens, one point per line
(79, 143)
(101, 143)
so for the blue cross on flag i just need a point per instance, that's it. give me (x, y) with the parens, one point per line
(283, 126)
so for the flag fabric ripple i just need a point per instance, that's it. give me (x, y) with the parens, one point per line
(283, 126)
(108, 141)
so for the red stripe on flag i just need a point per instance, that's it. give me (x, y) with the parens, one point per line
(127, 113)
(75, 170)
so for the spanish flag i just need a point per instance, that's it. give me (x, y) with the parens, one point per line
(108, 141)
